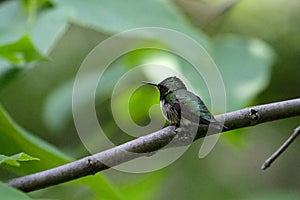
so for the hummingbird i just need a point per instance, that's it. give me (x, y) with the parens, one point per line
(177, 103)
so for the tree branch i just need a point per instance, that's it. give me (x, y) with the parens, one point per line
(150, 143)
(281, 149)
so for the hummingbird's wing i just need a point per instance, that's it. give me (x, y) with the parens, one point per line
(193, 108)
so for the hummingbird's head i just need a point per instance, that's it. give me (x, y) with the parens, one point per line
(168, 85)
(173, 83)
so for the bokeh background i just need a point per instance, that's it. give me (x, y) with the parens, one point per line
(255, 44)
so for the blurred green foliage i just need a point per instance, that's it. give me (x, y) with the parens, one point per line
(20, 52)
(11, 193)
(254, 44)
(14, 160)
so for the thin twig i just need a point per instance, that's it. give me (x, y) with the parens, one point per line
(281, 149)
(150, 143)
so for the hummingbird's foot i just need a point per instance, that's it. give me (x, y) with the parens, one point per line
(178, 131)
(183, 137)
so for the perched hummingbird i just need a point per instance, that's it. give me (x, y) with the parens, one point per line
(177, 102)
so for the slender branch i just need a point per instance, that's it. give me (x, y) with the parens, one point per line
(150, 143)
(281, 149)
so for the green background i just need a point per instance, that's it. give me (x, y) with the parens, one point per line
(255, 44)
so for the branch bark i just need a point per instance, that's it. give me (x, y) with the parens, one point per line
(281, 149)
(150, 143)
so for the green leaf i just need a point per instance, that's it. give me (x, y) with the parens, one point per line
(28, 29)
(47, 24)
(20, 52)
(43, 24)
(13, 20)
(15, 159)
(245, 65)
(98, 189)
(9, 193)
(8, 74)
(116, 16)
(15, 139)
(47, 28)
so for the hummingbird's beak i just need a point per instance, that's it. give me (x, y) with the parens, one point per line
(149, 83)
